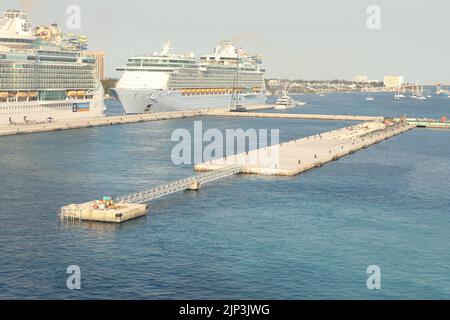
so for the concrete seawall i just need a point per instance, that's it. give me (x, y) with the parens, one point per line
(96, 122)
(6, 130)
(430, 124)
(293, 116)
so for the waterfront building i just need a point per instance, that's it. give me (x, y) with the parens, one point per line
(99, 62)
(360, 79)
(393, 81)
(274, 82)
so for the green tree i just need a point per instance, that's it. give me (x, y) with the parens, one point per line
(108, 84)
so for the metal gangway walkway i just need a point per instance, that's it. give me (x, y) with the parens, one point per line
(180, 185)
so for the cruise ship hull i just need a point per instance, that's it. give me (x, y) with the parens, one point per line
(136, 101)
(29, 112)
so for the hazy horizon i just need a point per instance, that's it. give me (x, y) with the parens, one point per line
(316, 40)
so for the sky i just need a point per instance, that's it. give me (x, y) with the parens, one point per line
(299, 39)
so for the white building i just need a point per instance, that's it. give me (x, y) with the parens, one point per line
(393, 81)
(274, 82)
(362, 79)
(99, 62)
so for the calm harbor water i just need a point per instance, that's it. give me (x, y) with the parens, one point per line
(306, 237)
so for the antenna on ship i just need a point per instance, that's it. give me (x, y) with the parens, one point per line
(235, 105)
(166, 48)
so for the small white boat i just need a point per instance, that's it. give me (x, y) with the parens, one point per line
(399, 95)
(370, 98)
(418, 94)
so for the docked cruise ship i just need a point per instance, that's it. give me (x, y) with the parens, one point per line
(40, 78)
(166, 81)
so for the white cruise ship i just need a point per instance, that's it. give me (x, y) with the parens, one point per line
(165, 81)
(41, 79)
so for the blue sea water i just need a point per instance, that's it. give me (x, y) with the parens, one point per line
(245, 237)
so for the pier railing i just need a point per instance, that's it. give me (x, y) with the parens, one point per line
(180, 185)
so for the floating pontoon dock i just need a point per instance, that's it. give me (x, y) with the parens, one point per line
(134, 205)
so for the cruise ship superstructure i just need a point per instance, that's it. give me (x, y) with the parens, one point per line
(165, 81)
(41, 79)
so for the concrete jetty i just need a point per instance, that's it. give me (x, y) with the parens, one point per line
(96, 122)
(58, 125)
(430, 123)
(294, 157)
(225, 113)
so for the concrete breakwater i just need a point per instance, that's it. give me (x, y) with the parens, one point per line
(6, 130)
(58, 125)
(294, 116)
(294, 157)
(430, 123)
(96, 122)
